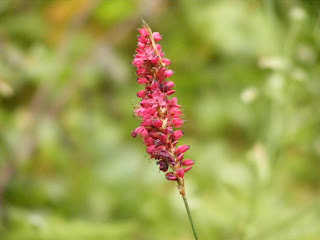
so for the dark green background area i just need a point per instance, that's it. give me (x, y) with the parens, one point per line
(247, 76)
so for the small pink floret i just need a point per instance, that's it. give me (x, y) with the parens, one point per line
(169, 84)
(141, 94)
(171, 92)
(180, 172)
(187, 162)
(182, 149)
(142, 131)
(144, 32)
(143, 80)
(168, 73)
(166, 61)
(157, 37)
(177, 134)
(170, 176)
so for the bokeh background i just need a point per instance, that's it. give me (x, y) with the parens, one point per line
(247, 75)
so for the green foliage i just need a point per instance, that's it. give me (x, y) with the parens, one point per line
(247, 75)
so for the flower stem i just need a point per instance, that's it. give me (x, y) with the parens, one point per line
(190, 217)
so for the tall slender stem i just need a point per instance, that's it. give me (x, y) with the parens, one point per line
(190, 217)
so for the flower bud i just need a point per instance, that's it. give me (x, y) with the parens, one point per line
(141, 71)
(155, 59)
(180, 172)
(143, 40)
(151, 149)
(187, 169)
(163, 165)
(144, 32)
(138, 62)
(168, 73)
(163, 138)
(166, 61)
(177, 122)
(182, 149)
(169, 84)
(134, 133)
(171, 177)
(177, 134)
(143, 80)
(149, 141)
(141, 94)
(140, 130)
(180, 157)
(171, 92)
(157, 123)
(187, 162)
(157, 37)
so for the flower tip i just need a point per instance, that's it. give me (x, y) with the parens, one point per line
(134, 133)
(144, 32)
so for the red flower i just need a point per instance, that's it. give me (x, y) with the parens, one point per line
(159, 114)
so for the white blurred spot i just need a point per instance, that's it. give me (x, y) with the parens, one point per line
(273, 62)
(5, 89)
(249, 95)
(297, 13)
(37, 220)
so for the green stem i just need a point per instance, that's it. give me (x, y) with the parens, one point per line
(190, 217)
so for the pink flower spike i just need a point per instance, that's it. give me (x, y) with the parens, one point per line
(180, 172)
(168, 73)
(187, 162)
(156, 36)
(158, 112)
(144, 32)
(182, 149)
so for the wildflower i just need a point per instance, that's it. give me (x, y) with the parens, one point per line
(159, 114)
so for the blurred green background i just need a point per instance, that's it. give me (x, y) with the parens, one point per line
(247, 75)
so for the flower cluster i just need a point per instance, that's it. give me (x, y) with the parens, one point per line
(160, 115)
